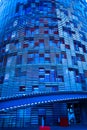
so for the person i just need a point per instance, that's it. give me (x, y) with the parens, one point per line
(58, 120)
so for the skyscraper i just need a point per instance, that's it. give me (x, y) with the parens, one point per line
(43, 62)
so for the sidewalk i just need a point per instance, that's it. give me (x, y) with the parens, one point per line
(74, 127)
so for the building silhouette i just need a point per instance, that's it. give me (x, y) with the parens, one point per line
(43, 62)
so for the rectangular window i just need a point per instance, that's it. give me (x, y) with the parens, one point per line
(7, 48)
(67, 46)
(54, 88)
(36, 58)
(35, 88)
(78, 79)
(1, 79)
(22, 88)
(41, 71)
(15, 23)
(85, 73)
(30, 58)
(25, 45)
(41, 45)
(18, 45)
(28, 33)
(63, 55)
(19, 59)
(74, 60)
(14, 34)
(60, 78)
(52, 75)
(80, 57)
(41, 78)
(47, 77)
(9, 61)
(41, 58)
(6, 76)
(18, 72)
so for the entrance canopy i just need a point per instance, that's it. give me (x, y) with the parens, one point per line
(20, 101)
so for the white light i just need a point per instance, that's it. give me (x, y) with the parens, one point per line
(15, 23)
(25, 105)
(18, 106)
(11, 107)
(15, 107)
(3, 109)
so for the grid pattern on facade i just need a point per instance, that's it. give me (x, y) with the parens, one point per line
(43, 49)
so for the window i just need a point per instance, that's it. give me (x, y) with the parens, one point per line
(74, 60)
(41, 58)
(84, 48)
(18, 72)
(36, 58)
(54, 88)
(47, 58)
(13, 34)
(60, 78)
(67, 46)
(30, 58)
(37, 30)
(63, 55)
(1, 79)
(28, 33)
(76, 47)
(15, 23)
(41, 45)
(80, 57)
(68, 31)
(58, 58)
(25, 45)
(41, 71)
(78, 79)
(7, 48)
(6, 76)
(52, 75)
(47, 77)
(9, 61)
(1, 61)
(18, 45)
(31, 44)
(51, 43)
(7, 36)
(28, 10)
(22, 88)
(19, 59)
(35, 88)
(41, 78)
(85, 73)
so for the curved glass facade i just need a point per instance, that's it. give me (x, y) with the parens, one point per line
(43, 49)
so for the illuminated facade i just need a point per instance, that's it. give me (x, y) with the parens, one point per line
(43, 50)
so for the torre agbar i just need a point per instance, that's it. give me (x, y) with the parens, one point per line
(43, 62)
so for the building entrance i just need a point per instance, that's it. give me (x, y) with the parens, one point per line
(42, 117)
(73, 113)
